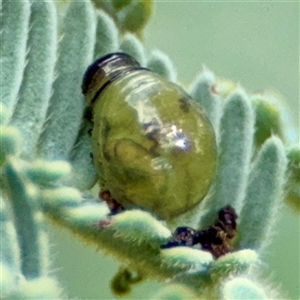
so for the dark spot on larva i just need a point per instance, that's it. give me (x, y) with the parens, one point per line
(154, 150)
(184, 104)
(88, 114)
(152, 129)
(106, 155)
(105, 129)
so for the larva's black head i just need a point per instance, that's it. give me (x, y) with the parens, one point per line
(104, 70)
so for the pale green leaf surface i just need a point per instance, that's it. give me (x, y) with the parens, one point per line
(61, 196)
(132, 45)
(10, 142)
(41, 288)
(234, 263)
(235, 150)
(161, 64)
(263, 196)
(13, 50)
(67, 103)
(36, 88)
(175, 292)
(107, 40)
(84, 174)
(202, 90)
(140, 226)
(8, 281)
(23, 196)
(186, 258)
(43, 173)
(242, 288)
(10, 253)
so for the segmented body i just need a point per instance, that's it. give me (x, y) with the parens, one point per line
(153, 146)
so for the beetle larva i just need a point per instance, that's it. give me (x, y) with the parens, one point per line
(153, 146)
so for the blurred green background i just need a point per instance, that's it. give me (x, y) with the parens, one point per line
(254, 43)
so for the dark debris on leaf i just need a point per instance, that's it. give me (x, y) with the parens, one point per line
(216, 239)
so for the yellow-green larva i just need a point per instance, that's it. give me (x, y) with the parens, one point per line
(153, 146)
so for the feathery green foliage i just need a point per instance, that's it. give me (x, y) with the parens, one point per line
(131, 45)
(53, 173)
(13, 51)
(38, 76)
(242, 288)
(161, 64)
(64, 116)
(293, 185)
(129, 16)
